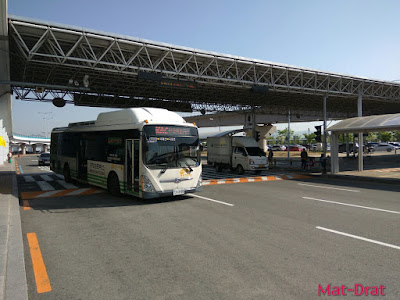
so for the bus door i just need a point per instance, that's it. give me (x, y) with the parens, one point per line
(82, 159)
(132, 165)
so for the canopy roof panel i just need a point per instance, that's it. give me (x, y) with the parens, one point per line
(368, 124)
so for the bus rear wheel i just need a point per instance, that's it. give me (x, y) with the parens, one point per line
(67, 174)
(113, 184)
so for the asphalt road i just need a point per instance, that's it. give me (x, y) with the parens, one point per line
(265, 240)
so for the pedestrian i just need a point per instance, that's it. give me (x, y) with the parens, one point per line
(322, 161)
(270, 156)
(9, 156)
(304, 158)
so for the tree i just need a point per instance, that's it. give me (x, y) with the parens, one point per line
(384, 136)
(342, 138)
(396, 136)
(282, 135)
(309, 138)
(370, 138)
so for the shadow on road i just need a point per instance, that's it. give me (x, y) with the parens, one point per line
(95, 201)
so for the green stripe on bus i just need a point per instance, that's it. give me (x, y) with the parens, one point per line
(96, 176)
(96, 180)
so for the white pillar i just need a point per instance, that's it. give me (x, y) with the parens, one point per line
(288, 136)
(5, 89)
(23, 149)
(334, 153)
(325, 132)
(360, 135)
(266, 130)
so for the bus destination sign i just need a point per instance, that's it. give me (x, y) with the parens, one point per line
(172, 131)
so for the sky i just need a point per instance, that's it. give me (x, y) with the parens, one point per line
(354, 37)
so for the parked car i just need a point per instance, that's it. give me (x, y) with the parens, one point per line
(342, 147)
(382, 147)
(278, 148)
(296, 148)
(396, 145)
(44, 159)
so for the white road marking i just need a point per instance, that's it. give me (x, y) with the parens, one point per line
(359, 237)
(209, 199)
(48, 194)
(45, 186)
(67, 185)
(77, 192)
(328, 187)
(46, 178)
(29, 178)
(60, 176)
(354, 205)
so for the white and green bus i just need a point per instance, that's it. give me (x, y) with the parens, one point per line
(145, 152)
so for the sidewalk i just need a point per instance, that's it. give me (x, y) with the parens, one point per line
(13, 283)
(376, 169)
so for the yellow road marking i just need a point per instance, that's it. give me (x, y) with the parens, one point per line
(39, 269)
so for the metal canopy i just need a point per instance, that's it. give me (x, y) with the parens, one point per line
(126, 72)
(368, 124)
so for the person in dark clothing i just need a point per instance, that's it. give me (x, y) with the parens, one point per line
(304, 158)
(270, 156)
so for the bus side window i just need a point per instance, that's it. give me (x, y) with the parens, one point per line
(115, 150)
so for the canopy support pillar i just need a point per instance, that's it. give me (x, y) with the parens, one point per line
(360, 135)
(334, 153)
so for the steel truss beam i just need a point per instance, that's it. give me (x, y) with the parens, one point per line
(53, 54)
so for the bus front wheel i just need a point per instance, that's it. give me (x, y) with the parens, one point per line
(113, 184)
(240, 170)
(67, 174)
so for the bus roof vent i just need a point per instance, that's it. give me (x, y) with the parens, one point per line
(138, 115)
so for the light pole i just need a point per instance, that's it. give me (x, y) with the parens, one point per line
(46, 118)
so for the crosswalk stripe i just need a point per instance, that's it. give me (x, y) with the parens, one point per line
(45, 186)
(28, 178)
(67, 185)
(46, 177)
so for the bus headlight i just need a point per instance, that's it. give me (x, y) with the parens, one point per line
(147, 186)
(200, 182)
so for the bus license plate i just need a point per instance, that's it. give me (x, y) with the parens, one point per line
(178, 192)
(261, 166)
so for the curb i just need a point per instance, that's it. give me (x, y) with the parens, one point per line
(14, 284)
(253, 179)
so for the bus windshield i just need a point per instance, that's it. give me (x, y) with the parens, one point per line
(170, 146)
